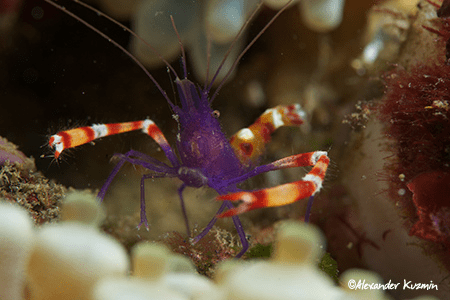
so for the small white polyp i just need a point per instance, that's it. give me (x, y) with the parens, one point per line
(16, 236)
(69, 258)
(291, 274)
(111, 288)
(224, 19)
(322, 15)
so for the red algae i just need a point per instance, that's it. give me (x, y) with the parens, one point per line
(416, 111)
(434, 216)
(416, 114)
(444, 10)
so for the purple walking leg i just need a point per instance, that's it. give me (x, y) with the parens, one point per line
(237, 224)
(142, 160)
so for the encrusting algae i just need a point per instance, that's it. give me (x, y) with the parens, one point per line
(21, 183)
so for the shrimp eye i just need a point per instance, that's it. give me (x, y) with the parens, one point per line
(216, 114)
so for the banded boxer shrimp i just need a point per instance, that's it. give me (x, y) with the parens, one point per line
(205, 156)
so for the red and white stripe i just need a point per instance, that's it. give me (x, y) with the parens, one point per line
(249, 143)
(287, 193)
(79, 136)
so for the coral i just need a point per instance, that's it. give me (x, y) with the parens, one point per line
(387, 28)
(399, 32)
(193, 33)
(82, 207)
(156, 274)
(73, 260)
(292, 272)
(218, 245)
(68, 258)
(10, 153)
(16, 236)
(322, 15)
(221, 20)
(20, 183)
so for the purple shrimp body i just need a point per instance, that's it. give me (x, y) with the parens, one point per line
(205, 155)
(201, 143)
